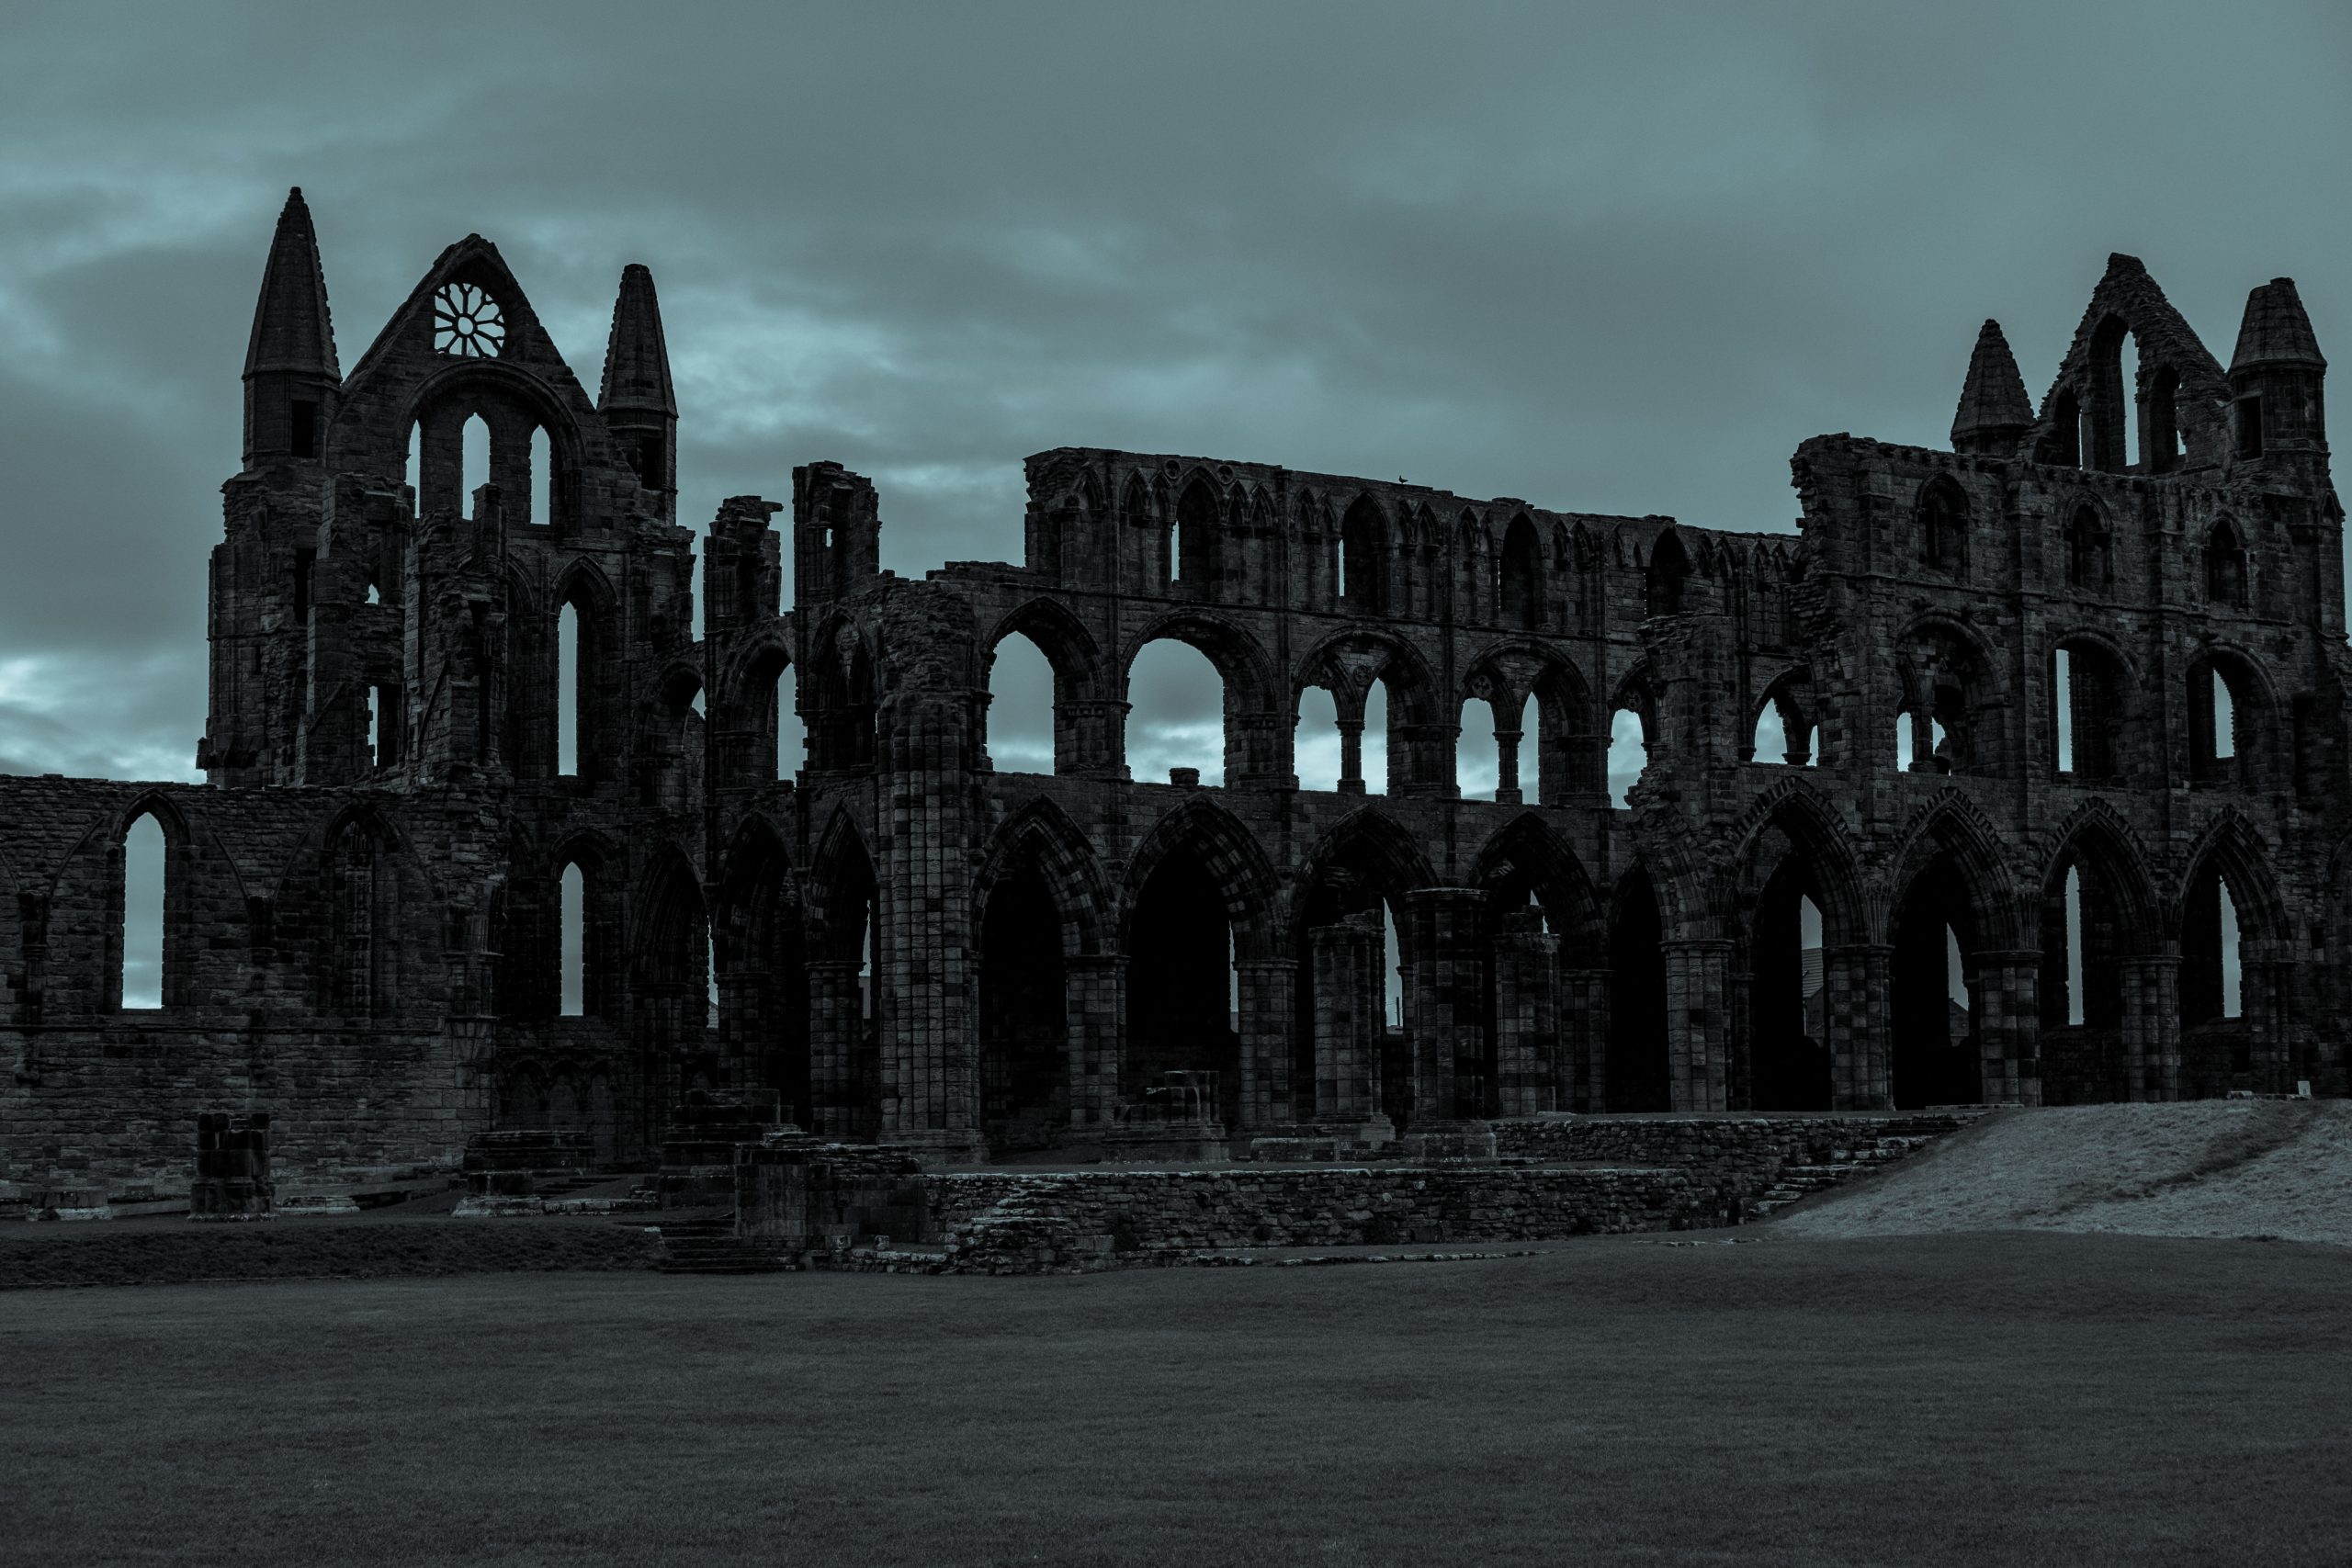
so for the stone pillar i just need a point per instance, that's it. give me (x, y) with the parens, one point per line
(1527, 1016)
(1093, 728)
(1094, 990)
(2151, 1026)
(836, 1038)
(1448, 1010)
(2264, 991)
(1350, 756)
(1348, 960)
(1507, 791)
(1857, 995)
(1697, 1021)
(2006, 1002)
(1584, 1040)
(1268, 999)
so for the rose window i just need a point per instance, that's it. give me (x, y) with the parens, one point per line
(467, 322)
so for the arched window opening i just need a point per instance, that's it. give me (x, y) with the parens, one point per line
(1020, 707)
(1629, 753)
(1474, 764)
(1193, 537)
(791, 733)
(2065, 448)
(2073, 945)
(142, 914)
(711, 973)
(2249, 426)
(1024, 1017)
(1363, 553)
(2163, 422)
(473, 463)
(409, 475)
(1525, 772)
(1520, 588)
(1375, 738)
(2225, 567)
(542, 479)
(2128, 409)
(2090, 557)
(573, 951)
(1783, 736)
(567, 690)
(1175, 714)
(375, 594)
(383, 725)
(1788, 1065)
(1668, 571)
(1316, 749)
(2225, 720)
(1906, 728)
(1943, 520)
(2211, 978)
(2062, 677)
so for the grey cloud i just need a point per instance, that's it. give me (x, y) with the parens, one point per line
(1605, 258)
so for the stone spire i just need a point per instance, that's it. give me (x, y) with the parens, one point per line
(1995, 412)
(637, 359)
(2276, 331)
(290, 370)
(291, 328)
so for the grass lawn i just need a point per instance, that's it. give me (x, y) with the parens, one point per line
(1959, 1399)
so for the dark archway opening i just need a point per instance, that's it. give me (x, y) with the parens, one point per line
(1934, 1058)
(1789, 1058)
(1638, 1077)
(1180, 986)
(1024, 1017)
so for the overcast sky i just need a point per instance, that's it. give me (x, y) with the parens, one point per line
(1618, 259)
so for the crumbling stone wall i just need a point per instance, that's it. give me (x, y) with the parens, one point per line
(363, 909)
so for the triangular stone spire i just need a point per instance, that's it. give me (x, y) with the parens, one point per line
(2276, 331)
(637, 359)
(293, 331)
(1995, 411)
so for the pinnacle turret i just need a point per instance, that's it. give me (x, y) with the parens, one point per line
(290, 368)
(1995, 411)
(2276, 331)
(637, 359)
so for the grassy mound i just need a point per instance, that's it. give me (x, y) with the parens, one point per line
(2243, 1167)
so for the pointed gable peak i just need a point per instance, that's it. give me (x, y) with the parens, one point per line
(2276, 331)
(1994, 409)
(637, 358)
(293, 331)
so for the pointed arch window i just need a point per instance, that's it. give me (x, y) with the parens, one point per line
(142, 938)
(2225, 567)
(2090, 553)
(1943, 529)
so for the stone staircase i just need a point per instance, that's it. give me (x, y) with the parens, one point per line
(709, 1244)
(1897, 1139)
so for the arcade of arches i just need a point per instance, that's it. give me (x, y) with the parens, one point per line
(1247, 803)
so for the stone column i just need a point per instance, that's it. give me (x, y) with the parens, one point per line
(1449, 1028)
(1269, 1099)
(1527, 1016)
(1094, 989)
(1507, 791)
(1858, 994)
(836, 1035)
(1350, 756)
(1348, 960)
(1584, 1040)
(1697, 1021)
(2151, 1026)
(2006, 1002)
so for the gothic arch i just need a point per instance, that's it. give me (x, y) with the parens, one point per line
(1042, 833)
(1068, 646)
(1230, 855)
(1954, 828)
(1531, 847)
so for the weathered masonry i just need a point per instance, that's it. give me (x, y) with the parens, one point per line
(2050, 804)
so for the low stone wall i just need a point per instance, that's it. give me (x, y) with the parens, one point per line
(1082, 1221)
(1744, 1153)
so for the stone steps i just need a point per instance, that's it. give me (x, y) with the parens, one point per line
(1900, 1139)
(711, 1247)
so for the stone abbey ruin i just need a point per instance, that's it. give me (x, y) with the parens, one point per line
(2057, 811)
